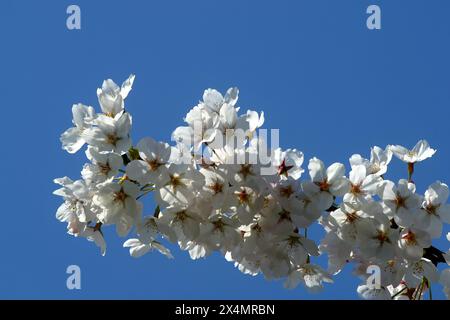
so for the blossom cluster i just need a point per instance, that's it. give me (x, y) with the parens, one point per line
(219, 187)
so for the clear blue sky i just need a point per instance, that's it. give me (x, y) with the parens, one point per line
(333, 87)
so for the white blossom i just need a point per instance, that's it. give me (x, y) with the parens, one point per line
(372, 293)
(412, 242)
(288, 163)
(153, 164)
(119, 205)
(73, 139)
(111, 97)
(378, 163)
(420, 152)
(110, 134)
(77, 200)
(103, 166)
(312, 276)
(138, 248)
(401, 203)
(220, 188)
(362, 186)
(435, 211)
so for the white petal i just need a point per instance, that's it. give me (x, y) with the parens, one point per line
(399, 151)
(335, 171)
(126, 86)
(213, 99)
(232, 96)
(131, 243)
(316, 170)
(140, 250)
(357, 174)
(137, 170)
(71, 140)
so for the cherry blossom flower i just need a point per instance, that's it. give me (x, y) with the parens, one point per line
(72, 139)
(348, 221)
(297, 248)
(377, 241)
(330, 181)
(338, 251)
(213, 99)
(110, 134)
(313, 277)
(288, 163)
(181, 185)
(412, 242)
(247, 202)
(111, 96)
(219, 232)
(83, 230)
(378, 163)
(215, 189)
(362, 186)
(152, 166)
(372, 293)
(119, 205)
(435, 210)
(420, 152)
(255, 121)
(77, 200)
(183, 220)
(416, 271)
(401, 203)
(103, 166)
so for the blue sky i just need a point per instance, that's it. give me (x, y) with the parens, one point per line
(332, 86)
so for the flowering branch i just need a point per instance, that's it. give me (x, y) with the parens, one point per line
(220, 187)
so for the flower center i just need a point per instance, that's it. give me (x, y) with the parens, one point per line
(283, 168)
(104, 168)
(112, 139)
(284, 215)
(181, 216)
(175, 181)
(286, 191)
(293, 241)
(352, 216)
(382, 237)
(246, 170)
(356, 189)
(243, 196)
(431, 209)
(323, 185)
(219, 225)
(216, 187)
(120, 196)
(400, 202)
(257, 228)
(154, 164)
(410, 238)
